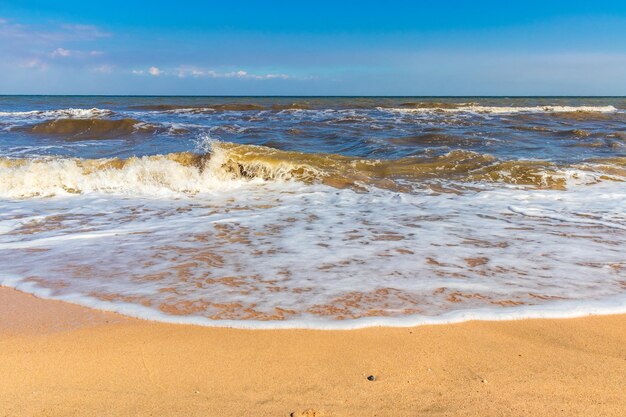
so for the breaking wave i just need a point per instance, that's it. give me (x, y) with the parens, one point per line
(60, 113)
(475, 108)
(226, 164)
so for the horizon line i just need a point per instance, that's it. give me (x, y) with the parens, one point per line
(312, 96)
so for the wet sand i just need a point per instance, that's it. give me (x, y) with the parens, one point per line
(58, 359)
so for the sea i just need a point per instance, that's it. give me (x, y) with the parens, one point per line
(316, 212)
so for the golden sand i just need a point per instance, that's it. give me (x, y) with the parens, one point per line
(58, 359)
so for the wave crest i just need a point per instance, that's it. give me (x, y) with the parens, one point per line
(60, 113)
(229, 165)
(475, 108)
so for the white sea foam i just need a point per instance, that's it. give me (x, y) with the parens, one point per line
(58, 114)
(309, 255)
(589, 219)
(157, 176)
(191, 110)
(479, 109)
(555, 310)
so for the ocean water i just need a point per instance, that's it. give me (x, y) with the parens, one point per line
(277, 212)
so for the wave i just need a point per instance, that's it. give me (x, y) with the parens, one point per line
(209, 108)
(228, 165)
(474, 108)
(258, 162)
(574, 112)
(214, 107)
(61, 113)
(95, 129)
(435, 105)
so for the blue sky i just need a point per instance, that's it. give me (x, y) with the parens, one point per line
(313, 47)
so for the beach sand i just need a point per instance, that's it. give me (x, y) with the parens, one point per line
(58, 359)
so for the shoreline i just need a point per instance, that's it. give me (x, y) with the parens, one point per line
(63, 359)
(566, 309)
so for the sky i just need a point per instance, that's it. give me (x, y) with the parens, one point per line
(313, 47)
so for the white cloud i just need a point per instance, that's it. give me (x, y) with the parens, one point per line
(247, 75)
(238, 74)
(61, 52)
(191, 71)
(185, 71)
(64, 53)
(283, 76)
(34, 63)
(85, 31)
(38, 34)
(103, 69)
(38, 46)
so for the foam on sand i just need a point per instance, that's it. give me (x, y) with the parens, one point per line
(288, 254)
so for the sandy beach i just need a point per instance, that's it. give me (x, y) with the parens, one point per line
(330, 209)
(58, 359)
